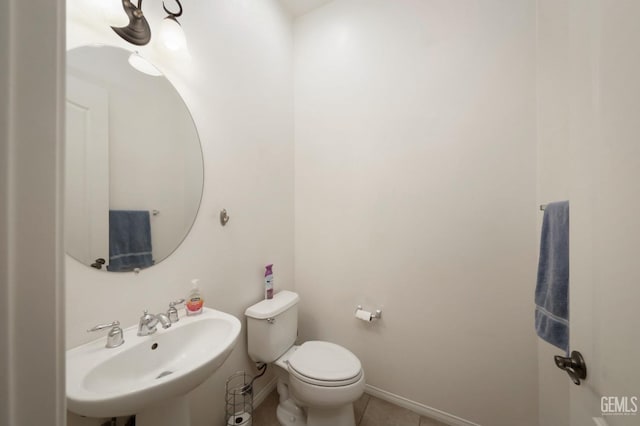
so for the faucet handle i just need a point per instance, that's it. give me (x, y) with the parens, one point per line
(115, 337)
(103, 326)
(146, 316)
(172, 313)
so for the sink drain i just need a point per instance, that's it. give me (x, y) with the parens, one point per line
(163, 374)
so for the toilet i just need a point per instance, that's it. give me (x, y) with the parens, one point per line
(317, 381)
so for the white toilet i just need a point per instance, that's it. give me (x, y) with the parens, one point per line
(317, 381)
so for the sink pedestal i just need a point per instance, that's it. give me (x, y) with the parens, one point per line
(170, 412)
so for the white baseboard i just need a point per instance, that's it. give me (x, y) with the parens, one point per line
(418, 408)
(400, 401)
(259, 397)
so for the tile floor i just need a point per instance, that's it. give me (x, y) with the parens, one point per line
(369, 411)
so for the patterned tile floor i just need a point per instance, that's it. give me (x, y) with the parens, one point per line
(369, 411)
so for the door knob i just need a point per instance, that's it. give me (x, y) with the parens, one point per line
(574, 365)
(98, 263)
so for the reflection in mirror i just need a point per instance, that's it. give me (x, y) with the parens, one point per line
(134, 167)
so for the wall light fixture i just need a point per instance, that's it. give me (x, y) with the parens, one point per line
(138, 31)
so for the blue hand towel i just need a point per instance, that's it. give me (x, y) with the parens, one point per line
(129, 240)
(552, 289)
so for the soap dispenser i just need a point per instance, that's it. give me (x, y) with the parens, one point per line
(195, 301)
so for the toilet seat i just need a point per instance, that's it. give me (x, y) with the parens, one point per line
(325, 364)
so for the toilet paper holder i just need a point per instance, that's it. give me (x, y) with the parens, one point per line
(374, 315)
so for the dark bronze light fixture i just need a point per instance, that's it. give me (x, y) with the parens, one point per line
(138, 31)
(171, 32)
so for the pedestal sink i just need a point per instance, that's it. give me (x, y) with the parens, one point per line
(150, 376)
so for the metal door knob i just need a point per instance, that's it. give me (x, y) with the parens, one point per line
(574, 365)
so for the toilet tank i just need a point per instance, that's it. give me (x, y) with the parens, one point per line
(272, 326)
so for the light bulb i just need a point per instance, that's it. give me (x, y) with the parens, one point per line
(172, 35)
(142, 65)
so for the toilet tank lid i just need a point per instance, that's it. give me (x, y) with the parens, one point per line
(269, 308)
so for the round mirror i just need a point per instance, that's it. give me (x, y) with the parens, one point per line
(134, 167)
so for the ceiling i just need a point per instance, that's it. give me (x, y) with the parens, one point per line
(300, 7)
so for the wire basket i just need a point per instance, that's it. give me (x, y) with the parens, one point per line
(239, 400)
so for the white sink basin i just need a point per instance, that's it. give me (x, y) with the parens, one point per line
(148, 370)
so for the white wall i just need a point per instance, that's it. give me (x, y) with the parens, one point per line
(553, 174)
(415, 192)
(238, 87)
(31, 265)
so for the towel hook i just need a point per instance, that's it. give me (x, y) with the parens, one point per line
(224, 217)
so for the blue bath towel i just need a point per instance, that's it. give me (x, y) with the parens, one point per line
(552, 289)
(129, 240)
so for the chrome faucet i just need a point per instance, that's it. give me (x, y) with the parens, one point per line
(149, 322)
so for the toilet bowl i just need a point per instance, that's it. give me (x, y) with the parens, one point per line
(317, 381)
(325, 374)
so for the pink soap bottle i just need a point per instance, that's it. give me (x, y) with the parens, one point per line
(195, 301)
